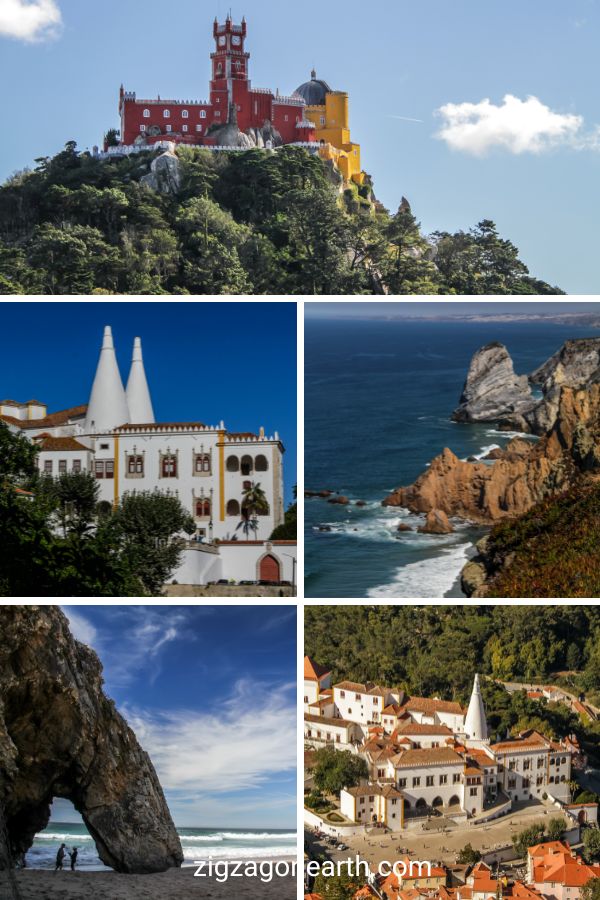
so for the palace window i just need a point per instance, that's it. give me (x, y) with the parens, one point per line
(443, 779)
(429, 781)
(218, 113)
(246, 465)
(184, 128)
(202, 508)
(357, 697)
(198, 128)
(185, 114)
(232, 464)
(456, 778)
(201, 464)
(261, 464)
(76, 465)
(285, 118)
(62, 467)
(169, 466)
(142, 128)
(135, 465)
(540, 763)
(202, 113)
(342, 693)
(402, 782)
(146, 113)
(473, 792)
(105, 468)
(322, 120)
(168, 128)
(233, 508)
(526, 764)
(47, 467)
(166, 113)
(416, 782)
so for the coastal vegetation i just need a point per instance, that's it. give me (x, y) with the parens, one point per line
(551, 551)
(56, 540)
(237, 223)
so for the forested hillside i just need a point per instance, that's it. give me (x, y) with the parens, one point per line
(239, 223)
(432, 650)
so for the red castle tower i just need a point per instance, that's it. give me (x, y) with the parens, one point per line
(192, 121)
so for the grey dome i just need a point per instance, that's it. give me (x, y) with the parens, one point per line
(313, 91)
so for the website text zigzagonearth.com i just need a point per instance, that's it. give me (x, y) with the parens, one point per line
(266, 870)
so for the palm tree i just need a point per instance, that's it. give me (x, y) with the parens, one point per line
(254, 501)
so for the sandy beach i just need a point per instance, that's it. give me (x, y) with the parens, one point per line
(176, 884)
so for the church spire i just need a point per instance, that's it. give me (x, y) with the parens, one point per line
(107, 407)
(138, 394)
(475, 723)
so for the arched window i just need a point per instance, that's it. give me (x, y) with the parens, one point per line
(437, 802)
(203, 509)
(232, 464)
(166, 113)
(185, 114)
(261, 464)
(454, 801)
(202, 113)
(146, 113)
(246, 465)
(421, 803)
(233, 508)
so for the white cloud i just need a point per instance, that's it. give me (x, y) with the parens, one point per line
(519, 126)
(29, 20)
(251, 739)
(81, 629)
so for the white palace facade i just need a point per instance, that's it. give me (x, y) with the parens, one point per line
(426, 755)
(116, 438)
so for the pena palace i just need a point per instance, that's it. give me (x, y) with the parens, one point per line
(237, 115)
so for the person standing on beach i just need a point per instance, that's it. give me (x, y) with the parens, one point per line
(73, 856)
(59, 858)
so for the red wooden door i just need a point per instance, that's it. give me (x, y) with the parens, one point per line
(269, 569)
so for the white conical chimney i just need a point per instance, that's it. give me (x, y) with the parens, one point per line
(138, 394)
(107, 407)
(475, 722)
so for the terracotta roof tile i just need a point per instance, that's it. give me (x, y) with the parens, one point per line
(57, 418)
(61, 443)
(313, 671)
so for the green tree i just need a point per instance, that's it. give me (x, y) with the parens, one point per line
(590, 890)
(336, 769)
(149, 525)
(342, 886)
(591, 845)
(408, 268)
(529, 837)
(555, 828)
(468, 856)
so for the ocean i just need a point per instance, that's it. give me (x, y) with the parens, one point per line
(197, 844)
(378, 400)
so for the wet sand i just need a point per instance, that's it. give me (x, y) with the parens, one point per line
(176, 884)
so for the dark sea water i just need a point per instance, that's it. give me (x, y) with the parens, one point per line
(378, 400)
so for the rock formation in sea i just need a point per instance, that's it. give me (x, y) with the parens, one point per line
(492, 390)
(60, 736)
(524, 474)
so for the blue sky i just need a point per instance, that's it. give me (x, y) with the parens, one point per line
(204, 361)
(211, 695)
(534, 169)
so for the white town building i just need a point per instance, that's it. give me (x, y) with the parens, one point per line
(116, 438)
(434, 752)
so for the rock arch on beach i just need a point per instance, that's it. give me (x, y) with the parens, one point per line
(61, 736)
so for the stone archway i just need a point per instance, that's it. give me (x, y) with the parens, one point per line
(61, 736)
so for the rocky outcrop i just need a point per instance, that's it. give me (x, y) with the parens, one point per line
(165, 174)
(576, 363)
(525, 473)
(60, 736)
(492, 391)
(437, 522)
